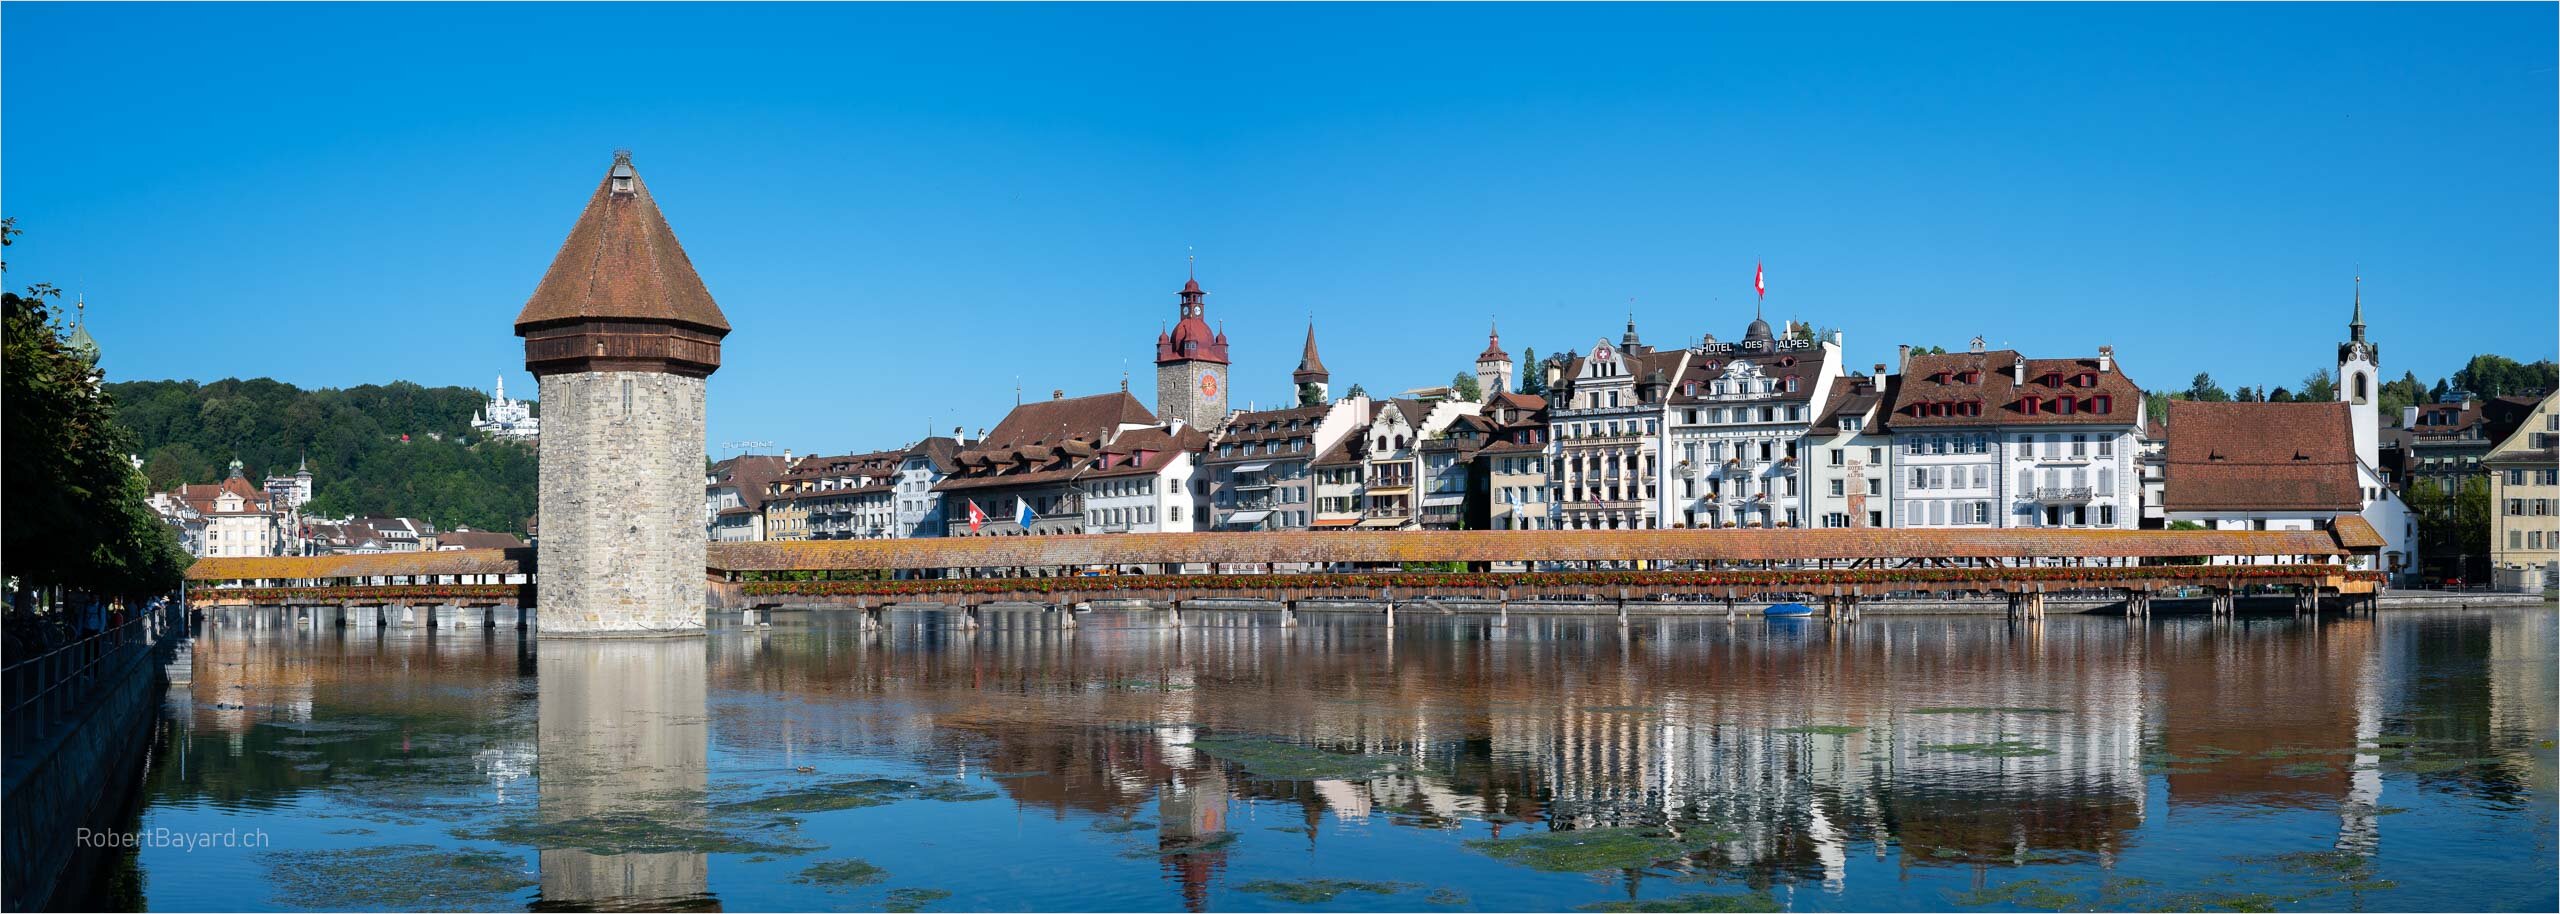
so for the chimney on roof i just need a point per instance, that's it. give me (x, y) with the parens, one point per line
(786, 456)
(2018, 371)
(1880, 372)
(1057, 393)
(2106, 358)
(1904, 360)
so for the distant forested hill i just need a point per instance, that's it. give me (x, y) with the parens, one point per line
(190, 432)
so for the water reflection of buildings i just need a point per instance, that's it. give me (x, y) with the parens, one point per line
(623, 735)
(1559, 721)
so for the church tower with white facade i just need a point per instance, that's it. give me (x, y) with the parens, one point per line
(2359, 377)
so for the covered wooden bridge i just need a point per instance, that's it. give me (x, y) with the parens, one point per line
(1579, 571)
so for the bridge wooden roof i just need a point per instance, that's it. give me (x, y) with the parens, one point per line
(378, 564)
(1522, 545)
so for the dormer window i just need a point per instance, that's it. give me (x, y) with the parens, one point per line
(622, 174)
(2088, 379)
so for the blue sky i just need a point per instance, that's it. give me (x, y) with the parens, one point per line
(903, 209)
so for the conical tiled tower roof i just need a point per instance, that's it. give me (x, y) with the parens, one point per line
(1310, 368)
(622, 262)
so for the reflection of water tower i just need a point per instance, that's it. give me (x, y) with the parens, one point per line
(623, 732)
(1191, 811)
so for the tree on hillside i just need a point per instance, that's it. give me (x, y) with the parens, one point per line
(2280, 395)
(2487, 376)
(1533, 379)
(2400, 394)
(1464, 387)
(2318, 387)
(2203, 390)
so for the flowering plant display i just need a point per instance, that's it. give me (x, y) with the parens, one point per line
(364, 592)
(1593, 581)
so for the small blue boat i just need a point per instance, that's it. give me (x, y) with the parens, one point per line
(1776, 610)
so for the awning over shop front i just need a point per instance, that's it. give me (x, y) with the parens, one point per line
(1385, 522)
(1336, 522)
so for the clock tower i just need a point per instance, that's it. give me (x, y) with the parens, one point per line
(1191, 366)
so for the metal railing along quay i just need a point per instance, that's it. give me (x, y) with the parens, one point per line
(50, 689)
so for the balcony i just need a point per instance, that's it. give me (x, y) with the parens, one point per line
(2062, 494)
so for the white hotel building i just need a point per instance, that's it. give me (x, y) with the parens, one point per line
(1995, 439)
(1738, 414)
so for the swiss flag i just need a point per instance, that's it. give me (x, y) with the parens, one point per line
(1759, 281)
(977, 516)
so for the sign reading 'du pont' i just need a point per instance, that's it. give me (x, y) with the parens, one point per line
(1787, 345)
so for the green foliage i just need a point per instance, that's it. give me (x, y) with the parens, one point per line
(2318, 387)
(2401, 394)
(1310, 395)
(2487, 376)
(2203, 390)
(1358, 391)
(2280, 395)
(190, 432)
(1533, 380)
(2452, 525)
(1464, 387)
(72, 510)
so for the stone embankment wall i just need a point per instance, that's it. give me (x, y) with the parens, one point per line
(79, 775)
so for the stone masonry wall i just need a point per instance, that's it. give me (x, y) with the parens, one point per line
(621, 528)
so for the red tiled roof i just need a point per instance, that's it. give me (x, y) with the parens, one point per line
(2261, 457)
(1980, 388)
(621, 262)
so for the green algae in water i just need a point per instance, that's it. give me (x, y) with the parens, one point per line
(1314, 891)
(1122, 826)
(829, 797)
(397, 876)
(1822, 729)
(1976, 709)
(2037, 894)
(1700, 902)
(2002, 749)
(1278, 761)
(837, 875)
(905, 901)
(1584, 850)
(624, 833)
(1187, 844)
(954, 792)
(1445, 896)
(2425, 765)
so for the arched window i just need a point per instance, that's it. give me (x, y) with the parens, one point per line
(2360, 391)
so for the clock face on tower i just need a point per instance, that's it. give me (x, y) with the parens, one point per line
(1209, 384)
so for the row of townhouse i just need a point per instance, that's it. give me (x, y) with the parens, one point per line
(1767, 430)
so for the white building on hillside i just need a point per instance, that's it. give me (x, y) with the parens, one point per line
(504, 418)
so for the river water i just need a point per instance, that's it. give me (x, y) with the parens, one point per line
(2403, 762)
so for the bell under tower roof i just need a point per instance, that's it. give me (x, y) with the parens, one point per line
(621, 262)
